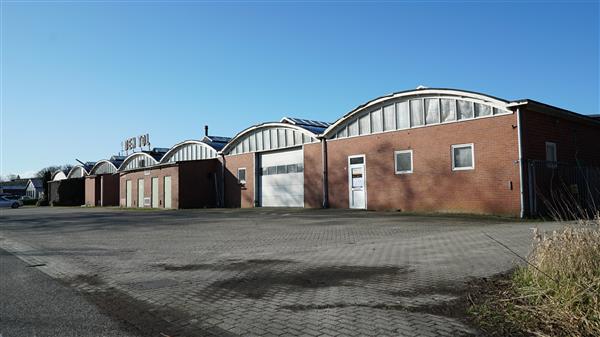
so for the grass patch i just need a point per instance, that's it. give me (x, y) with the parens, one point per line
(556, 294)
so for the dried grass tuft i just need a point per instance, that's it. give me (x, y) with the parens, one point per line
(558, 294)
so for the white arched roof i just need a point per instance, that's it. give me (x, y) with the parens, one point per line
(102, 167)
(137, 160)
(59, 175)
(77, 171)
(430, 106)
(189, 150)
(269, 136)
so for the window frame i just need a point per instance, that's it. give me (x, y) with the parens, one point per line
(555, 151)
(238, 175)
(453, 159)
(396, 162)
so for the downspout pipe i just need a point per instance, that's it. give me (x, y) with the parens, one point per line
(325, 173)
(521, 164)
(222, 184)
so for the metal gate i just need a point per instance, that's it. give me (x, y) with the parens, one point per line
(562, 191)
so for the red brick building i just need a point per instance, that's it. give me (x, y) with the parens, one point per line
(274, 165)
(69, 189)
(102, 183)
(443, 150)
(186, 176)
(65, 192)
(424, 150)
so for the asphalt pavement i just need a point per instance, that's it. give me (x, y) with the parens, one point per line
(34, 305)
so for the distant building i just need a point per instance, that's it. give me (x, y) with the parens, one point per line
(14, 187)
(35, 188)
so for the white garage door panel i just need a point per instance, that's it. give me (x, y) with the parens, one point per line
(283, 189)
(281, 158)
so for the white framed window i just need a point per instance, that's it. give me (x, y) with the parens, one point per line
(463, 157)
(403, 161)
(241, 175)
(551, 152)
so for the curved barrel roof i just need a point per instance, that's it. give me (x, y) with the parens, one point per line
(289, 132)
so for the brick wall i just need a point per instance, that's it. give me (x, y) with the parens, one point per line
(147, 175)
(198, 183)
(433, 186)
(313, 176)
(92, 191)
(576, 142)
(235, 194)
(110, 189)
(67, 192)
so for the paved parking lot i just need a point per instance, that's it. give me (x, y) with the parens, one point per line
(267, 272)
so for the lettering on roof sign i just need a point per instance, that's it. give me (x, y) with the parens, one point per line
(133, 143)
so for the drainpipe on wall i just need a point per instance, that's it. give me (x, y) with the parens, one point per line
(521, 164)
(222, 185)
(325, 173)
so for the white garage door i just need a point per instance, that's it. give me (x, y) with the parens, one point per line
(282, 179)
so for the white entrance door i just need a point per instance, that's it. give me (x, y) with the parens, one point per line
(167, 187)
(128, 193)
(155, 192)
(140, 199)
(357, 182)
(281, 179)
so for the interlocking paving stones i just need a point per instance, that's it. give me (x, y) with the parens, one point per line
(266, 272)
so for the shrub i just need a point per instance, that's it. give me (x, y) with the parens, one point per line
(29, 202)
(557, 293)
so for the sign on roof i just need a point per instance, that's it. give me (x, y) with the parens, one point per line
(134, 143)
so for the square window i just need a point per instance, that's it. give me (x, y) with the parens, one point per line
(242, 176)
(462, 157)
(271, 170)
(403, 161)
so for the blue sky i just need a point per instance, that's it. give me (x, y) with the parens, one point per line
(78, 78)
